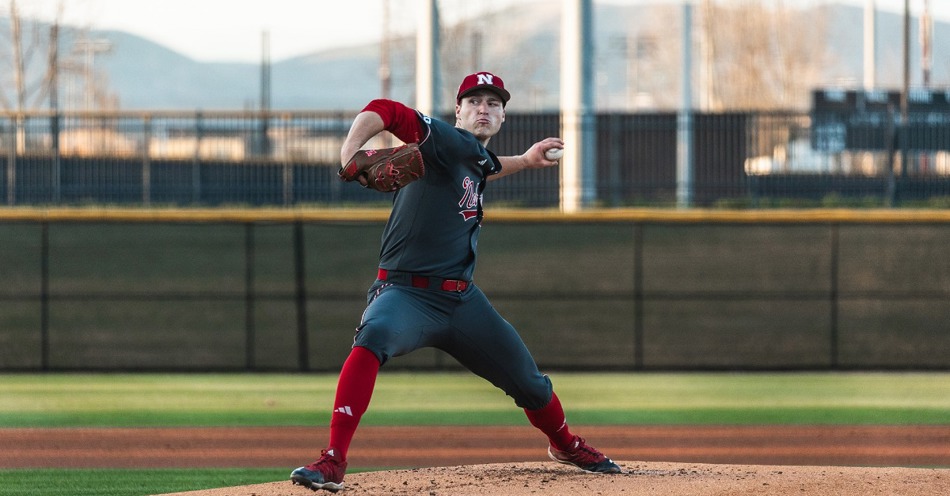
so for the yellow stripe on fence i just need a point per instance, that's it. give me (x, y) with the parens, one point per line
(231, 215)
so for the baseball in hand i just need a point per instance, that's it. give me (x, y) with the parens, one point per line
(554, 153)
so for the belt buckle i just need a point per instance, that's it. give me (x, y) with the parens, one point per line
(455, 285)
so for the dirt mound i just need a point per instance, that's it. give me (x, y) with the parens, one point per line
(807, 460)
(639, 478)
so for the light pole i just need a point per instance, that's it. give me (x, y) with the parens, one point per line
(89, 49)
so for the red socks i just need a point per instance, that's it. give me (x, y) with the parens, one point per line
(353, 393)
(355, 389)
(551, 421)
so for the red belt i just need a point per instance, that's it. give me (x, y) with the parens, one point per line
(455, 285)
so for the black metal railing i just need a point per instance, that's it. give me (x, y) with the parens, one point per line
(290, 158)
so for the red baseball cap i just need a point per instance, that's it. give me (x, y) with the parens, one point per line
(483, 80)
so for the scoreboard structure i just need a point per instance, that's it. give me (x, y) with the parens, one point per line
(862, 120)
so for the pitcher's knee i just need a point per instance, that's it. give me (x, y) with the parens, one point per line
(535, 394)
(376, 340)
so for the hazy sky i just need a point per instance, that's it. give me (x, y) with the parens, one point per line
(231, 30)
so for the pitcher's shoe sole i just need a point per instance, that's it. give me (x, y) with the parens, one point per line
(313, 486)
(301, 480)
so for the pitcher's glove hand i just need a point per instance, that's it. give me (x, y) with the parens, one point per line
(387, 169)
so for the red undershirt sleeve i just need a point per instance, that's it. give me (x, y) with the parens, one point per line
(398, 119)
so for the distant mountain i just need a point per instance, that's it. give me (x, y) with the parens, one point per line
(145, 75)
(520, 43)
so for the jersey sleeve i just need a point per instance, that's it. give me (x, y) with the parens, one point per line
(400, 120)
(495, 166)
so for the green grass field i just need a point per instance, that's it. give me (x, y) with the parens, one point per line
(117, 482)
(153, 400)
(156, 400)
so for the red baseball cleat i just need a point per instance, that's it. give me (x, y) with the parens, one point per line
(584, 457)
(326, 473)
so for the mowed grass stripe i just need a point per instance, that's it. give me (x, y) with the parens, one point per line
(148, 400)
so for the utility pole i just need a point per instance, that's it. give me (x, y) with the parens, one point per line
(19, 78)
(428, 87)
(53, 82)
(385, 70)
(906, 47)
(926, 40)
(264, 142)
(870, 45)
(265, 72)
(709, 101)
(19, 71)
(684, 119)
(890, 195)
(578, 122)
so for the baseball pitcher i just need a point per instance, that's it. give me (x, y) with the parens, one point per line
(423, 295)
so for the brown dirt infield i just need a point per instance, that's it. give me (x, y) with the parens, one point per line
(845, 460)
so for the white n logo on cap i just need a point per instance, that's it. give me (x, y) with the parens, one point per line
(485, 79)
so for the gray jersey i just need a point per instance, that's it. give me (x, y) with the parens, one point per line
(434, 224)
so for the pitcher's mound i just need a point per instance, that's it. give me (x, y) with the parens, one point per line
(639, 478)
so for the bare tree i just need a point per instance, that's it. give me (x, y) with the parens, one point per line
(32, 53)
(761, 55)
(23, 44)
(461, 53)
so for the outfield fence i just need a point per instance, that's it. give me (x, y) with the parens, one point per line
(625, 289)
